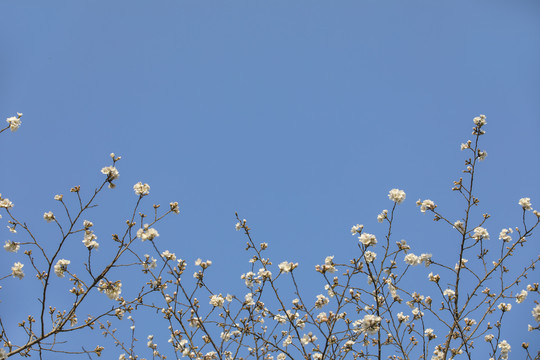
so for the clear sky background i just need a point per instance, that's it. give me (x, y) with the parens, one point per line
(300, 115)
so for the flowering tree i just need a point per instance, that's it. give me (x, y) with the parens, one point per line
(467, 301)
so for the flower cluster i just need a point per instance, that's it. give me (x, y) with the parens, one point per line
(141, 189)
(14, 122)
(111, 289)
(147, 233)
(61, 267)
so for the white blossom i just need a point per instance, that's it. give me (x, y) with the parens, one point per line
(504, 235)
(357, 229)
(16, 270)
(370, 256)
(48, 216)
(397, 196)
(111, 289)
(141, 189)
(367, 239)
(147, 233)
(426, 205)
(505, 349)
(521, 296)
(480, 233)
(168, 255)
(412, 259)
(61, 267)
(89, 240)
(11, 246)
(480, 120)
(14, 122)
(450, 293)
(370, 324)
(536, 313)
(321, 301)
(217, 300)
(525, 203)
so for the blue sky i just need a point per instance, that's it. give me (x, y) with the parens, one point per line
(299, 115)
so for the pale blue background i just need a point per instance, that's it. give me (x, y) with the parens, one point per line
(300, 115)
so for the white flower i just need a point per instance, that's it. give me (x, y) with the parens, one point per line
(239, 225)
(412, 259)
(521, 296)
(249, 299)
(168, 255)
(357, 229)
(464, 146)
(536, 313)
(48, 216)
(402, 317)
(147, 233)
(58, 197)
(459, 226)
(286, 267)
(61, 267)
(14, 122)
(426, 205)
(3, 354)
(429, 333)
(11, 246)
(505, 307)
(141, 189)
(111, 289)
(480, 120)
(174, 207)
(426, 259)
(505, 349)
(321, 301)
(111, 172)
(504, 235)
(16, 270)
(87, 224)
(367, 239)
(450, 293)
(482, 154)
(370, 256)
(90, 240)
(149, 264)
(480, 233)
(525, 203)
(397, 196)
(5, 203)
(370, 324)
(488, 337)
(217, 300)
(383, 215)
